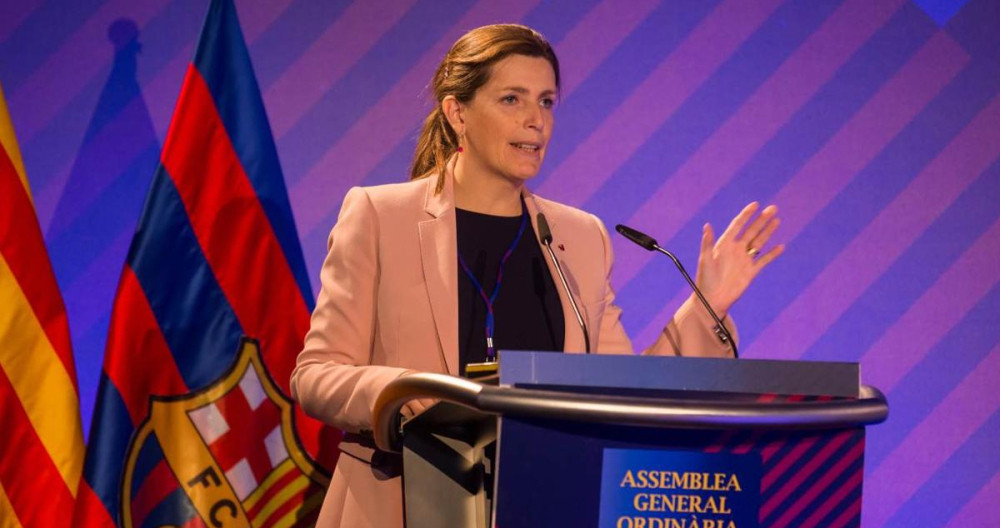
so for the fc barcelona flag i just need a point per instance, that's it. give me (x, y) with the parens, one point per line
(41, 440)
(192, 426)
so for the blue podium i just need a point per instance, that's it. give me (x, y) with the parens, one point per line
(634, 442)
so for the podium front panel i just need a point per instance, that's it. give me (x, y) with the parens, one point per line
(555, 473)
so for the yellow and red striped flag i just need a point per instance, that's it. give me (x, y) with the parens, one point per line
(41, 443)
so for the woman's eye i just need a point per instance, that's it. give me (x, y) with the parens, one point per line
(509, 99)
(548, 103)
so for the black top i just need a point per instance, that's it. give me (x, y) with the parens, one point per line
(527, 311)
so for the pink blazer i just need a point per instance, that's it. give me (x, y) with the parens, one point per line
(389, 306)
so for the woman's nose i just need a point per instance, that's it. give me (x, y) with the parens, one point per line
(533, 117)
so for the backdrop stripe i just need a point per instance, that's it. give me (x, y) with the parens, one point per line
(290, 35)
(90, 309)
(877, 185)
(770, 107)
(977, 512)
(824, 117)
(43, 16)
(555, 18)
(42, 85)
(909, 214)
(802, 136)
(591, 101)
(600, 31)
(683, 71)
(957, 291)
(868, 132)
(944, 493)
(919, 267)
(386, 65)
(723, 94)
(335, 52)
(966, 408)
(14, 14)
(931, 380)
(107, 155)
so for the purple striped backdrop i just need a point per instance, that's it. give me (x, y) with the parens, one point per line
(873, 124)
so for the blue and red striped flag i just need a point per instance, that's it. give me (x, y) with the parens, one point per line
(191, 427)
(41, 447)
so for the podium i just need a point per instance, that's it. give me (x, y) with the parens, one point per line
(634, 442)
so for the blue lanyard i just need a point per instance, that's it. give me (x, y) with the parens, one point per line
(490, 299)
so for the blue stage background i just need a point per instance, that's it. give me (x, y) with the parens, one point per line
(873, 124)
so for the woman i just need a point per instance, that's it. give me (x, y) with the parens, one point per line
(427, 275)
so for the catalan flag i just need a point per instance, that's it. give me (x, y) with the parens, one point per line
(192, 426)
(41, 444)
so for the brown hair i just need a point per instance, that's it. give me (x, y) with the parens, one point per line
(465, 68)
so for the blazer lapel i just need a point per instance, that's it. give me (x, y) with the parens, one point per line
(573, 337)
(439, 257)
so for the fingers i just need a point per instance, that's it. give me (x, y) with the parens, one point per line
(758, 226)
(412, 408)
(761, 239)
(707, 239)
(736, 226)
(415, 407)
(768, 257)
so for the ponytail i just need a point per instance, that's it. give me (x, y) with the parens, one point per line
(437, 143)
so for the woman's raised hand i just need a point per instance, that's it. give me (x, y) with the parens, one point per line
(727, 266)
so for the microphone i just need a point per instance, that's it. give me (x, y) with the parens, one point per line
(650, 244)
(545, 235)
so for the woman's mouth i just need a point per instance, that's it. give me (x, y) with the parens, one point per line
(526, 147)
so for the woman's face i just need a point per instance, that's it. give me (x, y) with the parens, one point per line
(509, 121)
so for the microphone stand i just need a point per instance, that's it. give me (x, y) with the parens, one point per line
(545, 235)
(650, 244)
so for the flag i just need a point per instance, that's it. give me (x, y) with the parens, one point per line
(192, 426)
(41, 447)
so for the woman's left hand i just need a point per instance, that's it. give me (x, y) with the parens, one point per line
(726, 267)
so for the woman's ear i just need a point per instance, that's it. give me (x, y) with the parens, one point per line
(453, 109)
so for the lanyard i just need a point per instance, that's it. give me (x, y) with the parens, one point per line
(489, 300)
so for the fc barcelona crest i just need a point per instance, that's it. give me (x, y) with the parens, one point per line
(225, 456)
